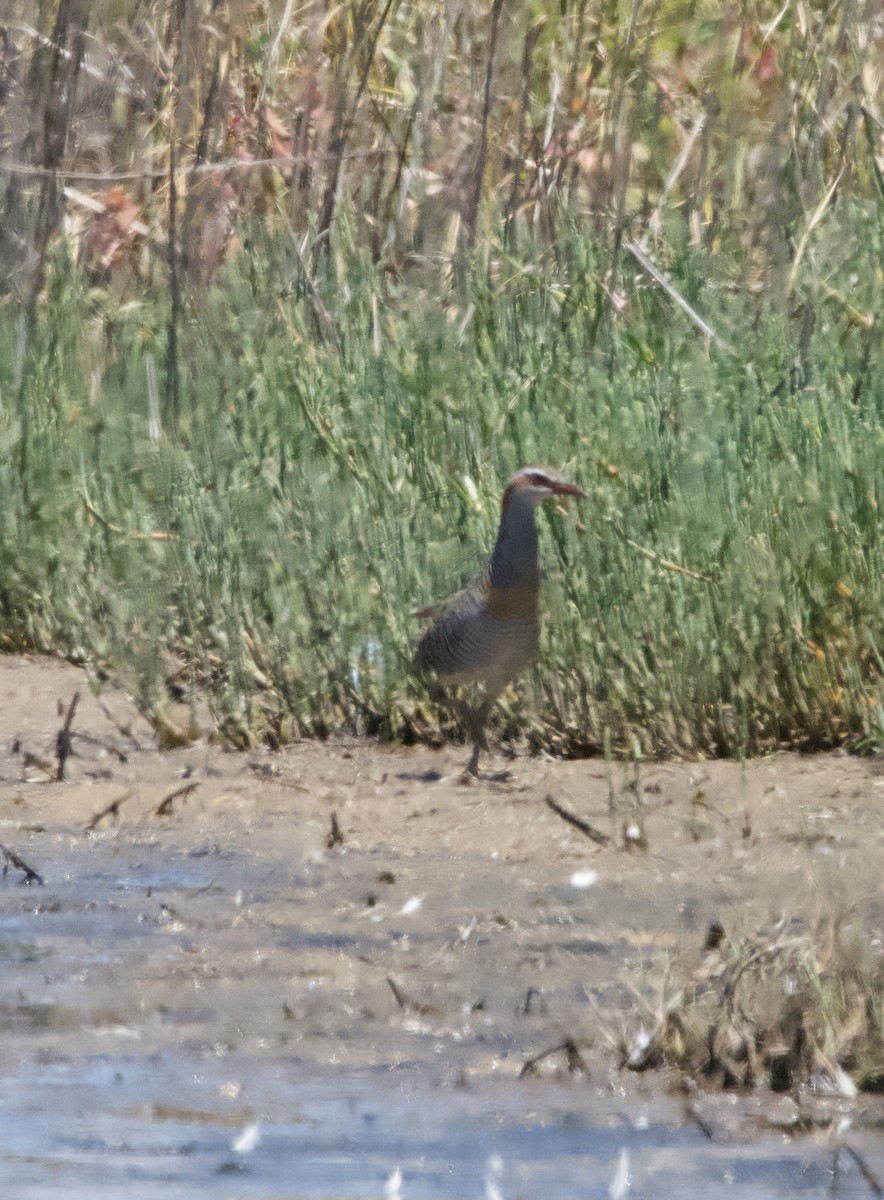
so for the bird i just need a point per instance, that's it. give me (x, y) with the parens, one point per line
(488, 632)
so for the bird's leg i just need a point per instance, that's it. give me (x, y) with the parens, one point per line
(479, 743)
(474, 718)
(469, 717)
(478, 718)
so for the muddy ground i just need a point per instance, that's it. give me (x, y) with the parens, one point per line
(349, 908)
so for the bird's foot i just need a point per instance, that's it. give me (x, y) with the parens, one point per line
(470, 773)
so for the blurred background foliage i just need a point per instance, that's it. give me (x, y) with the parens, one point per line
(288, 291)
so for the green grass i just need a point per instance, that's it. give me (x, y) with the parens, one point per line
(322, 483)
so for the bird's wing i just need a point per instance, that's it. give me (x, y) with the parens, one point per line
(457, 602)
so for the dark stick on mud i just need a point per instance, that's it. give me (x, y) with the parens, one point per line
(531, 995)
(164, 808)
(34, 760)
(600, 839)
(112, 810)
(410, 1005)
(700, 1121)
(335, 837)
(397, 994)
(91, 740)
(864, 1169)
(14, 860)
(573, 1057)
(63, 739)
(125, 728)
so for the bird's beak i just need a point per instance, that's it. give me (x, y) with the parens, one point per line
(569, 489)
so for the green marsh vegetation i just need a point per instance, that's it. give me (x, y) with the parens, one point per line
(287, 292)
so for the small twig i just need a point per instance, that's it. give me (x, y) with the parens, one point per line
(154, 417)
(123, 728)
(335, 837)
(672, 178)
(653, 556)
(273, 55)
(204, 168)
(868, 119)
(154, 535)
(473, 198)
(410, 1005)
(864, 1169)
(600, 839)
(112, 810)
(527, 1006)
(573, 1057)
(397, 994)
(702, 1124)
(34, 760)
(315, 297)
(14, 860)
(815, 219)
(660, 279)
(164, 808)
(91, 740)
(63, 739)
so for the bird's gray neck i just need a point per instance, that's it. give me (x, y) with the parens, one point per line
(514, 559)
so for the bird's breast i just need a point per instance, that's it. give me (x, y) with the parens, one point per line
(516, 603)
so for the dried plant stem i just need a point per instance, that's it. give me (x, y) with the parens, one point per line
(173, 373)
(474, 193)
(55, 69)
(341, 130)
(512, 208)
(667, 563)
(660, 279)
(63, 739)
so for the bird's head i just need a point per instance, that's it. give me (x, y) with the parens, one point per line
(533, 485)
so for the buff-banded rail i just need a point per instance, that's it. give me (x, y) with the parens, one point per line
(488, 632)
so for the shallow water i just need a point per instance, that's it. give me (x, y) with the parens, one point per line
(87, 1110)
(120, 1126)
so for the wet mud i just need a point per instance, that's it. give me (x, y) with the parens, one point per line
(324, 972)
